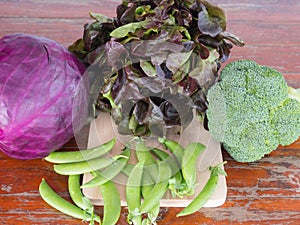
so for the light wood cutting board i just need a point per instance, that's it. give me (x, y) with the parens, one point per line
(103, 129)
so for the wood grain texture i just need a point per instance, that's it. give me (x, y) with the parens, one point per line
(265, 192)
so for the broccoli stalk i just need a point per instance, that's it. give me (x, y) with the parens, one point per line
(252, 110)
(294, 93)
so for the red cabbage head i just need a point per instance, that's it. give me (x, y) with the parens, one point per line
(43, 96)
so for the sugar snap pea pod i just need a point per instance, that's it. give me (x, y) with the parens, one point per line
(85, 166)
(112, 203)
(205, 193)
(79, 156)
(62, 205)
(143, 154)
(159, 189)
(110, 172)
(189, 167)
(76, 194)
(177, 185)
(127, 169)
(147, 186)
(164, 156)
(175, 148)
(133, 193)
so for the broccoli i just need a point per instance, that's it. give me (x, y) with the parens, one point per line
(252, 110)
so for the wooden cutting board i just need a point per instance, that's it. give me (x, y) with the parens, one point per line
(103, 129)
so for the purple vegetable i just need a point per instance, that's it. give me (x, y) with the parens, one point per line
(152, 53)
(43, 96)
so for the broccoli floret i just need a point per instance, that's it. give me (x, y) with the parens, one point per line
(252, 110)
(286, 122)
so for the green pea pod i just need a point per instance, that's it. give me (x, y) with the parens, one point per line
(176, 149)
(79, 156)
(189, 164)
(75, 192)
(205, 193)
(164, 156)
(84, 167)
(62, 205)
(110, 172)
(176, 184)
(127, 169)
(133, 193)
(77, 196)
(147, 186)
(159, 189)
(112, 203)
(144, 154)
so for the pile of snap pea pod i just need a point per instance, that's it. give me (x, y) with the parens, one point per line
(155, 172)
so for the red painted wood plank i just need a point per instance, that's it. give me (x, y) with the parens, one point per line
(245, 10)
(56, 9)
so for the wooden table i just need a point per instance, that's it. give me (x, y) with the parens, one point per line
(265, 192)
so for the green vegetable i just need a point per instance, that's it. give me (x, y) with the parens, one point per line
(77, 196)
(100, 17)
(176, 184)
(78, 156)
(75, 192)
(133, 193)
(252, 110)
(125, 30)
(159, 189)
(112, 203)
(110, 172)
(205, 193)
(189, 165)
(176, 149)
(144, 154)
(164, 156)
(147, 186)
(85, 166)
(127, 169)
(62, 205)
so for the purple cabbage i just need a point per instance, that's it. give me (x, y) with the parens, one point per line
(43, 96)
